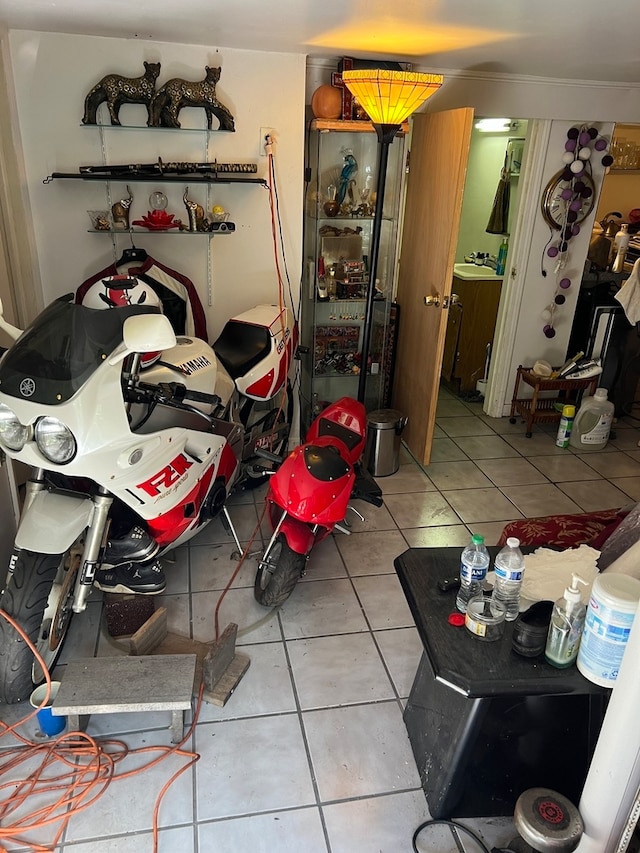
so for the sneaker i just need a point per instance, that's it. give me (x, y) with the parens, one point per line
(136, 578)
(134, 547)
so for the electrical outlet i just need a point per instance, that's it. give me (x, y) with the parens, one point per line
(264, 132)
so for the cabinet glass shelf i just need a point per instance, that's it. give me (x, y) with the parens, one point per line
(337, 252)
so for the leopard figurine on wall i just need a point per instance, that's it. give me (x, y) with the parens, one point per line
(178, 93)
(115, 90)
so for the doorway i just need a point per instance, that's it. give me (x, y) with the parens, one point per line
(489, 210)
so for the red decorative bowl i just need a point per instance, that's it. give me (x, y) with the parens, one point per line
(158, 220)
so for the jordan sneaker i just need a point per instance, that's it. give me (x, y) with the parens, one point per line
(136, 546)
(137, 578)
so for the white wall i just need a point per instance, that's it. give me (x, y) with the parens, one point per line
(486, 160)
(53, 73)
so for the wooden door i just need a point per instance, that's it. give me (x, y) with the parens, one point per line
(438, 164)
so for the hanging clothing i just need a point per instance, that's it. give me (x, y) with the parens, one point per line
(179, 297)
(629, 295)
(499, 217)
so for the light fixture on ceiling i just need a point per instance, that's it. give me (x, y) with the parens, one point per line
(495, 125)
(388, 98)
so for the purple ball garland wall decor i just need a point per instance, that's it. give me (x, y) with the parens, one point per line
(567, 200)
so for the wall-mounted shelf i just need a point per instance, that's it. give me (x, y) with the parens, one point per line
(209, 178)
(183, 232)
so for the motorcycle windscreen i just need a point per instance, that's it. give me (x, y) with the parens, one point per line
(64, 345)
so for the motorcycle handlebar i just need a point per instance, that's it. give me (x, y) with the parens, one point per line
(172, 392)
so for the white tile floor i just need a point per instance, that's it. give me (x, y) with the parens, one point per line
(311, 752)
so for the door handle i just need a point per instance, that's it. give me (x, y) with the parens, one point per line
(433, 301)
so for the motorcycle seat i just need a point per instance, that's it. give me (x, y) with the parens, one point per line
(241, 346)
(325, 463)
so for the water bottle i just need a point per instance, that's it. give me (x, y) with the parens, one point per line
(509, 569)
(474, 563)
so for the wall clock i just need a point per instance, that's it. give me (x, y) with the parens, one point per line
(562, 196)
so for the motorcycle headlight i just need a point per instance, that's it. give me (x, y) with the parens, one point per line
(12, 433)
(55, 440)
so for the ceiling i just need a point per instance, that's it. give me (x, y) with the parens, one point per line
(542, 38)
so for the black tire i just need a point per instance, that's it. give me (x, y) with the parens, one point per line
(278, 574)
(254, 475)
(40, 584)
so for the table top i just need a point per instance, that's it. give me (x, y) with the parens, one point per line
(459, 659)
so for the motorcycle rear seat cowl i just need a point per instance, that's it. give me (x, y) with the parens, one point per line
(325, 463)
(241, 346)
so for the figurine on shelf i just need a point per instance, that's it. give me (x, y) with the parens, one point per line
(332, 205)
(195, 211)
(115, 90)
(157, 219)
(348, 172)
(178, 93)
(120, 212)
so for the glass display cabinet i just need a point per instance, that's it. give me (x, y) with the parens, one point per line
(341, 176)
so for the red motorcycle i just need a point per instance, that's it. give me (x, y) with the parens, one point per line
(309, 496)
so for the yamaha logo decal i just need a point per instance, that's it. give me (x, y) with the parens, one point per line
(27, 387)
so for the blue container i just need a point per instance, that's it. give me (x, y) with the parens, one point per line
(49, 724)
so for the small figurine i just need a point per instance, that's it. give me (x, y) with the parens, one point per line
(348, 171)
(120, 212)
(178, 93)
(195, 211)
(115, 90)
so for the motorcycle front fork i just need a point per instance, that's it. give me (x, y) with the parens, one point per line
(95, 538)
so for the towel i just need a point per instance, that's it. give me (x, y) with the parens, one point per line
(499, 216)
(629, 295)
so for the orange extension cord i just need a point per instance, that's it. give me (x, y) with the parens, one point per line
(87, 768)
(275, 217)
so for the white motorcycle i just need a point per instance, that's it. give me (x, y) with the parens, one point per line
(135, 439)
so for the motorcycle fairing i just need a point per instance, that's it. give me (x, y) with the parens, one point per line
(344, 421)
(53, 523)
(316, 501)
(61, 350)
(256, 348)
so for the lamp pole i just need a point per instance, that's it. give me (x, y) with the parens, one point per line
(385, 133)
(388, 97)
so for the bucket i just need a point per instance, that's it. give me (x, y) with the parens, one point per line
(592, 424)
(612, 607)
(49, 725)
(382, 450)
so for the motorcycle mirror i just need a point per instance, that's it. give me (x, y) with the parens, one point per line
(145, 333)
(12, 331)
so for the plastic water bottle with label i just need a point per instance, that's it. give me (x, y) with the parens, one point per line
(474, 563)
(509, 569)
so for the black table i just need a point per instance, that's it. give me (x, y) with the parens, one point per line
(485, 723)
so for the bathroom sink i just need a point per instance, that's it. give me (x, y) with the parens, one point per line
(472, 271)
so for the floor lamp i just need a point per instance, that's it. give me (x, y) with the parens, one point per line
(388, 98)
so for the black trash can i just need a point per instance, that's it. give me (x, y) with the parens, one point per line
(382, 450)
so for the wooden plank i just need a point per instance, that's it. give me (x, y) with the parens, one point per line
(112, 684)
(228, 682)
(219, 657)
(149, 635)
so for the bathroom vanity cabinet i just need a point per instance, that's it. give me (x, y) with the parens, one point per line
(471, 326)
(341, 174)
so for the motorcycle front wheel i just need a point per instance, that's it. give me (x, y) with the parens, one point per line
(38, 596)
(278, 573)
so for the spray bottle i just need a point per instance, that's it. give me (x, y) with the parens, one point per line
(621, 243)
(565, 628)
